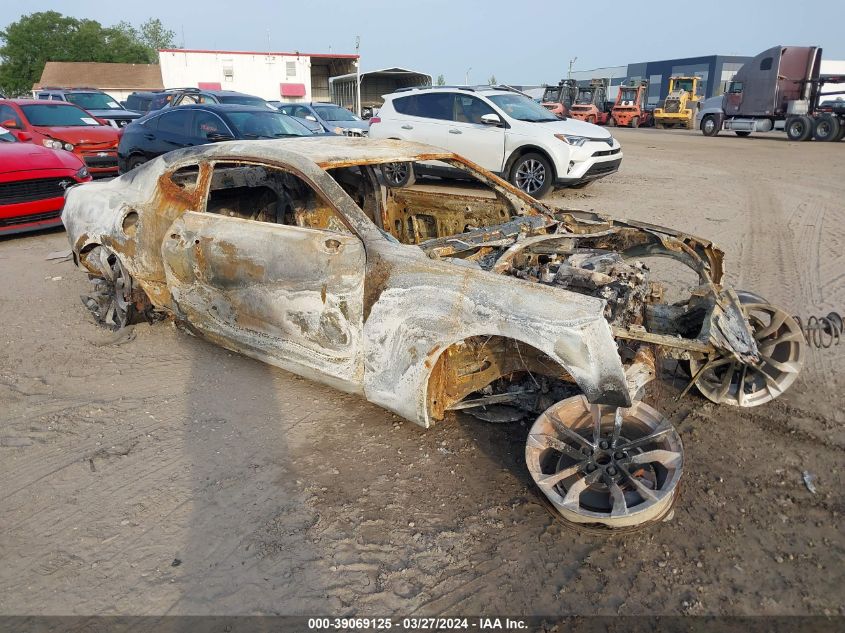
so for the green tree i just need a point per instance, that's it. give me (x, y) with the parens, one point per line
(441, 81)
(492, 80)
(50, 36)
(155, 35)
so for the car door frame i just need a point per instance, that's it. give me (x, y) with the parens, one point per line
(199, 237)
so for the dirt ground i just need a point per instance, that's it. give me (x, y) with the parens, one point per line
(160, 474)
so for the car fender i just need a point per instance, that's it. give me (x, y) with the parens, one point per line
(424, 306)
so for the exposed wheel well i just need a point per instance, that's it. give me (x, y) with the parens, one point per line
(477, 361)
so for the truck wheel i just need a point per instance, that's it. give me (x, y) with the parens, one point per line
(591, 119)
(532, 174)
(635, 122)
(710, 125)
(799, 128)
(826, 128)
(742, 133)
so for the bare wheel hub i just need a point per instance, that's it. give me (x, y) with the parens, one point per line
(605, 465)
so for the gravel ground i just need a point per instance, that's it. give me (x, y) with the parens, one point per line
(156, 473)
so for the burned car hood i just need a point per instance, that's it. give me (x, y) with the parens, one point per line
(593, 254)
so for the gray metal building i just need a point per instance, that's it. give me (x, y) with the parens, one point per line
(714, 70)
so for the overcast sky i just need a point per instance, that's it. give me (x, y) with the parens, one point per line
(518, 41)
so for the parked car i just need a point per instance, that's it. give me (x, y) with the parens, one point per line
(503, 131)
(142, 101)
(431, 300)
(331, 117)
(33, 181)
(189, 125)
(312, 125)
(97, 102)
(62, 125)
(195, 96)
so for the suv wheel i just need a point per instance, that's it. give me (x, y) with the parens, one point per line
(398, 174)
(532, 173)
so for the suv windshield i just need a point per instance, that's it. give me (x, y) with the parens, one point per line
(243, 100)
(267, 125)
(335, 113)
(522, 108)
(93, 100)
(55, 114)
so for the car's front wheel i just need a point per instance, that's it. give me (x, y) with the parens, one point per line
(532, 173)
(135, 162)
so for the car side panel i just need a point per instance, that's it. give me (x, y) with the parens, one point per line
(424, 306)
(289, 295)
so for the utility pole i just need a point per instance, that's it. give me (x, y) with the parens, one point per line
(466, 76)
(571, 63)
(358, 75)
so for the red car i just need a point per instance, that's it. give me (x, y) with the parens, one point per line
(33, 180)
(61, 125)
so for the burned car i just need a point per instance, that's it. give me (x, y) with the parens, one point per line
(323, 257)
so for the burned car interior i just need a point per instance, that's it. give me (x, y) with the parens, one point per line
(432, 298)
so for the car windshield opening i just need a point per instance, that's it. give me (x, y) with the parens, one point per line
(522, 108)
(93, 101)
(434, 203)
(48, 115)
(335, 113)
(267, 125)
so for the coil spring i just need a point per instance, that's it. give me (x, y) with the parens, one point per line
(822, 332)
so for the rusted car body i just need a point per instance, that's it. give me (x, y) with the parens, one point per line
(424, 299)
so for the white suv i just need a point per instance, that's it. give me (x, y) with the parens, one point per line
(502, 130)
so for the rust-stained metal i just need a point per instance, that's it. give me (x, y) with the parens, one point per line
(427, 300)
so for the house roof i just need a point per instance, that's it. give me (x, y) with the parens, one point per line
(105, 76)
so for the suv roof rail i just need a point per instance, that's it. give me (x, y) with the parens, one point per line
(186, 89)
(470, 88)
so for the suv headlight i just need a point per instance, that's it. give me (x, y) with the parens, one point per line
(82, 173)
(571, 139)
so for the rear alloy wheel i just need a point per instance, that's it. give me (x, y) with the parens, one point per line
(111, 299)
(780, 342)
(799, 128)
(710, 125)
(614, 467)
(398, 174)
(826, 128)
(532, 173)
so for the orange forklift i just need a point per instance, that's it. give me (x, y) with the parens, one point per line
(591, 103)
(558, 99)
(629, 109)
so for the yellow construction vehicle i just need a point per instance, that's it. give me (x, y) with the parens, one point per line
(681, 104)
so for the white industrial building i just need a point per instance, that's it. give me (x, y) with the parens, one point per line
(272, 76)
